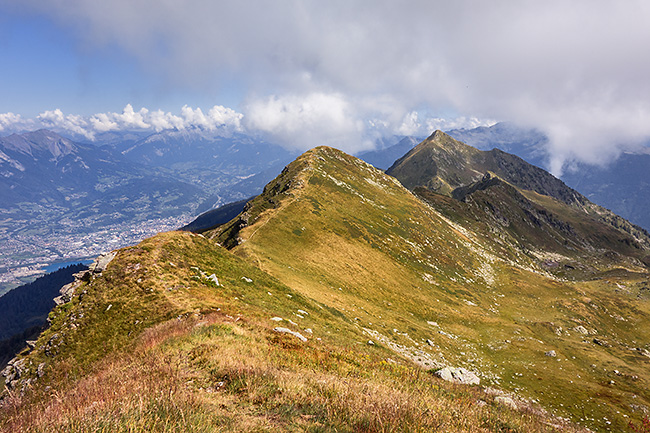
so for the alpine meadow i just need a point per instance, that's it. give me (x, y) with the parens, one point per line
(489, 297)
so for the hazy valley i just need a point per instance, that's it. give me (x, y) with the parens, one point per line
(64, 200)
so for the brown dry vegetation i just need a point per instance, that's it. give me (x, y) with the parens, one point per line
(212, 373)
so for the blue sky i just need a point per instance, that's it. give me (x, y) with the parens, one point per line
(48, 67)
(44, 68)
(339, 72)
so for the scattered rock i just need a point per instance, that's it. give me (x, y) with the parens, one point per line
(8, 373)
(101, 262)
(640, 408)
(447, 334)
(551, 353)
(600, 342)
(506, 401)
(298, 335)
(213, 278)
(248, 280)
(581, 329)
(303, 312)
(643, 351)
(458, 375)
(52, 344)
(430, 342)
(276, 319)
(371, 343)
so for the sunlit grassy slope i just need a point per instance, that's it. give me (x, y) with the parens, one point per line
(382, 286)
(155, 345)
(346, 235)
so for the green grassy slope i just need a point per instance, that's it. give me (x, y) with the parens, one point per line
(344, 234)
(383, 287)
(154, 344)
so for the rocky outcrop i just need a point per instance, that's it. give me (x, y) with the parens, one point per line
(17, 374)
(68, 290)
(95, 269)
(298, 335)
(100, 263)
(16, 370)
(458, 375)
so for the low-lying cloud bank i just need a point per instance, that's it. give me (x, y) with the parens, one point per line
(217, 118)
(296, 121)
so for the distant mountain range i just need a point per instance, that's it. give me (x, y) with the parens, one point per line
(80, 181)
(209, 159)
(385, 157)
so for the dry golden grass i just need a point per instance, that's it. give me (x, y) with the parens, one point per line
(212, 373)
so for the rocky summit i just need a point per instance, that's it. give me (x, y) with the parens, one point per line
(468, 293)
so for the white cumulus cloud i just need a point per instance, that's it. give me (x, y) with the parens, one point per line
(11, 122)
(55, 119)
(219, 118)
(412, 124)
(299, 121)
(305, 121)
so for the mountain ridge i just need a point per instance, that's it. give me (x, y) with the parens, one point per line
(338, 282)
(463, 165)
(351, 252)
(441, 146)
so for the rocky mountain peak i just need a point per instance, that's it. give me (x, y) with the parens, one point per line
(39, 144)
